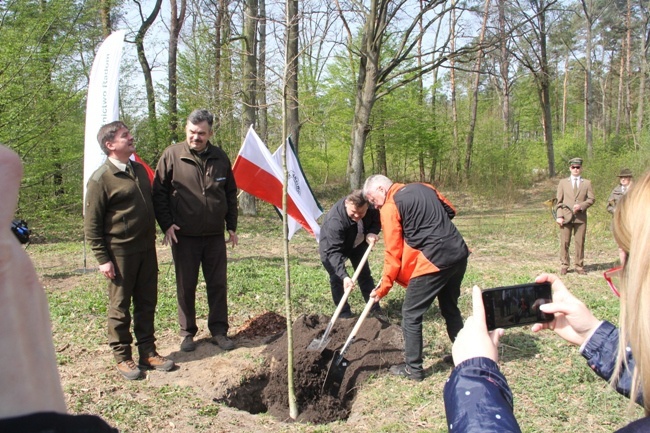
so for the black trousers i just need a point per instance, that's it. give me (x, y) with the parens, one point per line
(364, 281)
(208, 253)
(136, 279)
(420, 294)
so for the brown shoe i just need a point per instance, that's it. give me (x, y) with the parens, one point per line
(563, 271)
(156, 362)
(581, 271)
(129, 370)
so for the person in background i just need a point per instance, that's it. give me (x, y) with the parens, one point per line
(195, 198)
(624, 184)
(348, 229)
(576, 193)
(31, 396)
(120, 227)
(425, 253)
(477, 395)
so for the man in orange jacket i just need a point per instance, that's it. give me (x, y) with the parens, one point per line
(424, 253)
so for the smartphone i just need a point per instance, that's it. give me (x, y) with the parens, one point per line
(506, 307)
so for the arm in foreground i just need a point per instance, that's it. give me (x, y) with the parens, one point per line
(31, 392)
(477, 396)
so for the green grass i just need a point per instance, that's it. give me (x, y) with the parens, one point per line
(553, 387)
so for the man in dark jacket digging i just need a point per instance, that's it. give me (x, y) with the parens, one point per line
(346, 233)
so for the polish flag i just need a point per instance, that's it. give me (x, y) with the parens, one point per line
(258, 173)
(298, 180)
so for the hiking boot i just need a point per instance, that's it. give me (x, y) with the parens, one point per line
(156, 362)
(404, 370)
(581, 271)
(223, 342)
(188, 344)
(129, 370)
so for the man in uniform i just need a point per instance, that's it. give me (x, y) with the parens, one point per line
(574, 197)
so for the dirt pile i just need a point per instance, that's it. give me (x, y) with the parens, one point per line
(377, 346)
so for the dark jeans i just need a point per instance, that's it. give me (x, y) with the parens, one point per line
(209, 253)
(136, 278)
(365, 282)
(420, 294)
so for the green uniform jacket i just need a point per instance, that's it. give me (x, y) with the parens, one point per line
(119, 215)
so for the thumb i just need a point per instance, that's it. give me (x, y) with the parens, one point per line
(495, 336)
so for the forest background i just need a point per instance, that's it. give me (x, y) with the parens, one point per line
(485, 96)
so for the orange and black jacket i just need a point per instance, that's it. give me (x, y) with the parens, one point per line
(419, 237)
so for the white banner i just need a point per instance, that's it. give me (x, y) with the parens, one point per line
(102, 106)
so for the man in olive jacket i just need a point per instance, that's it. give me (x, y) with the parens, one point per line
(120, 227)
(195, 198)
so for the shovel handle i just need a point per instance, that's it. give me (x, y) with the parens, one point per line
(346, 293)
(357, 325)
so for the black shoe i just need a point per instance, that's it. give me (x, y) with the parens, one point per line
(223, 342)
(404, 370)
(188, 344)
(448, 359)
(346, 315)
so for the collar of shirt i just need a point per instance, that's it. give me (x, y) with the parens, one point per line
(574, 179)
(117, 163)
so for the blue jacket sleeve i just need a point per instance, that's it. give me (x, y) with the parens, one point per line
(600, 352)
(478, 399)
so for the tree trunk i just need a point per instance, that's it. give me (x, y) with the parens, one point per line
(263, 118)
(504, 71)
(474, 108)
(588, 97)
(455, 152)
(291, 101)
(642, 79)
(146, 68)
(249, 64)
(105, 16)
(565, 93)
(175, 25)
(619, 101)
(544, 80)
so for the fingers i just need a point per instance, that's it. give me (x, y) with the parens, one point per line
(495, 336)
(477, 308)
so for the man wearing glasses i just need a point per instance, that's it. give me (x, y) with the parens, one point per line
(574, 197)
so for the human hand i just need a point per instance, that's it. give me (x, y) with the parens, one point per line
(573, 320)
(170, 235)
(474, 340)
(29, 380)
(108, 270)
(372, 239)
(576, 208)
(233, 238)
(348, 284)
(560, 221)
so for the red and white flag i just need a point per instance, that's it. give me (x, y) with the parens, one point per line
(298, 181)
(258, 173)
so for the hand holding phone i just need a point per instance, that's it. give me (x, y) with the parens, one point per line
(510, 306)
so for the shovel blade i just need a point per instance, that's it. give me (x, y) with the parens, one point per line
(318, 344)
(335, 374)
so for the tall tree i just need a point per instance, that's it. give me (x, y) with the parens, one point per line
(531, 51)
(249, 73)
(263, 115)
(176, 19)
(145, 23)
(379, 73)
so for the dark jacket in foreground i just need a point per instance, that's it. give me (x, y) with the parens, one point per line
(478, 399)
(338, 233)
(119, 214)
(197, 199)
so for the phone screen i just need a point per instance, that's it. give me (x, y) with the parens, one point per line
(518, 305)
